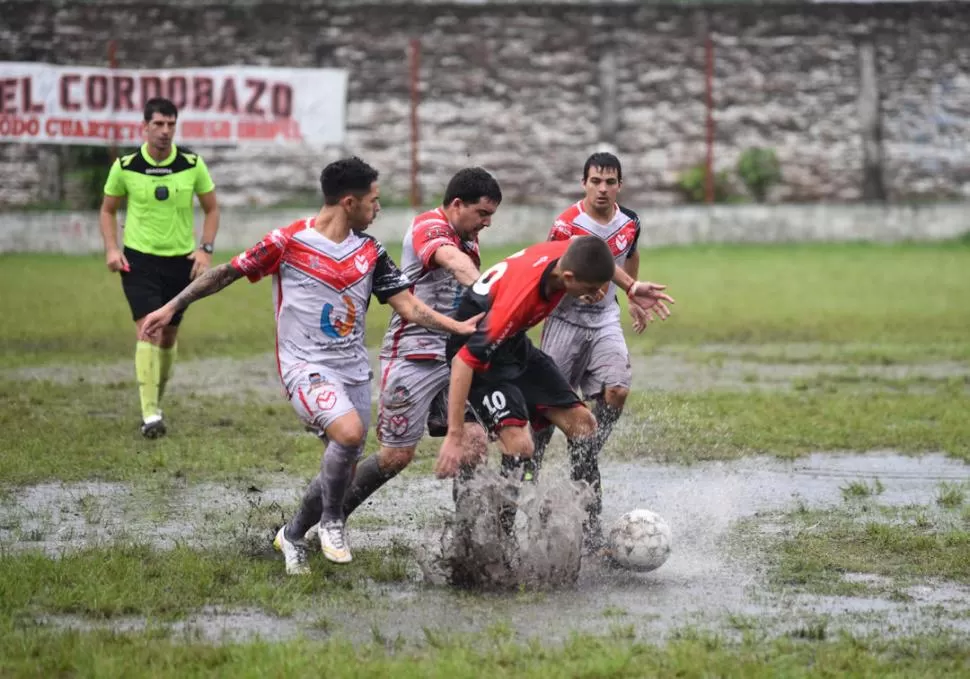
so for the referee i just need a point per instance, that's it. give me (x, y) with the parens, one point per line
(159, 256)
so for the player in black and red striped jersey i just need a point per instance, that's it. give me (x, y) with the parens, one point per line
(506, 380)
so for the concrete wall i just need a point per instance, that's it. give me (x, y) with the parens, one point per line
(77, 232)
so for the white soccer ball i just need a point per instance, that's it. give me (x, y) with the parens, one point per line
(640, 540)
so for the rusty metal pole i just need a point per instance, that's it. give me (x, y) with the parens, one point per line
(415, 67)
(709, 123)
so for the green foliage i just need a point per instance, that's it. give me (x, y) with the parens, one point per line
(692, 184)
(758, 168)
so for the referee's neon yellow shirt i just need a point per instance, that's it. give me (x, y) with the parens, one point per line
(159, 217)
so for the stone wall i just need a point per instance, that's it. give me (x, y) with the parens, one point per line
(78, 232)
(530, 89)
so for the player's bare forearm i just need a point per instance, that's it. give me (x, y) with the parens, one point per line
(632, 265)
(413, 310)
(209, 283)
(210, 224)
(458, 264)
(622, 279)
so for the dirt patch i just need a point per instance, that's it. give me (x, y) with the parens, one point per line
(666, 370)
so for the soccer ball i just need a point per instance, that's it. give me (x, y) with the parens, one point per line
(640, 540)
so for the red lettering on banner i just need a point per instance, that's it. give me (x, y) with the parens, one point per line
(151, 87)
(178, 91)
(267, 130)
(228, 102)
(202, 97)
(97, 92)
(66, 81)
(252, 105)
(28, 104)
(203, 130)
(282, 105)
(122, 87)
(8, 95)
(12, 126)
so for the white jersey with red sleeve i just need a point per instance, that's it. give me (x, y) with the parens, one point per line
(622, 234)
(321, 290)
(433, 285)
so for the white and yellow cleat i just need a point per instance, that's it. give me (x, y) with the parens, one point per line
(294, 553)
(333, 542)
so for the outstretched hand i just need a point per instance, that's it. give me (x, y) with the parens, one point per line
(153, 323)
(650, 298)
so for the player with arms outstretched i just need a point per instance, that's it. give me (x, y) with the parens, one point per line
(586, 340)
(503, 376)
(324, 271)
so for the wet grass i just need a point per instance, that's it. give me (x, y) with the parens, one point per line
(26, 651)
(905, 544)
(218, 437)
(65, 309)
(724, 424)
(128, 579)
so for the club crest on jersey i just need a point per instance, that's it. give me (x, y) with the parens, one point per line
(621, 242)
(337, 327)
(360, 261)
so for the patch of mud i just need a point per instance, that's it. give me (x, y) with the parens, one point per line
(666, 370)
(252, 376)
(211, 625)
(702, 584)
(671, 371)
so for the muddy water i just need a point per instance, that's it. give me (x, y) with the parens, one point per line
(701, 584)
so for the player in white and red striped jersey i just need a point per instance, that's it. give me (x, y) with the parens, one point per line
(586, 340)
(440, 258)
(324, 271)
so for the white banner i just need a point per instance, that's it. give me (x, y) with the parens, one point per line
(224, 106)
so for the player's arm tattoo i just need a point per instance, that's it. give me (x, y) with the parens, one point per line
(413, 310)
(209, 283)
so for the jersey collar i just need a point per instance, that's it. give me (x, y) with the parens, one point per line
(151, 161)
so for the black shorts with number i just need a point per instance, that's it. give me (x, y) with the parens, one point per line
(153, 281)
(517, 401)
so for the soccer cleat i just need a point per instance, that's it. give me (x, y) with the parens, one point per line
(333, 542)
(153, 427)
(294, 553)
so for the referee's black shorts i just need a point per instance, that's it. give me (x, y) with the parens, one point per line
(154, 280)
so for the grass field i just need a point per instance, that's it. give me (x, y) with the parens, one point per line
(773, 354)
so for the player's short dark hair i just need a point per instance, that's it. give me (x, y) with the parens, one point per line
(471, 184)
(605, 161)
(347, 175)
(161, 106)
(590, 260)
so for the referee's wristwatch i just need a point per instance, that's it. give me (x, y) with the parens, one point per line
(207, 248)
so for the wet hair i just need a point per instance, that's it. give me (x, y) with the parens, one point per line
(347, 175)
(470, 185)
(603, 160)
(590, 260)
(161, 106)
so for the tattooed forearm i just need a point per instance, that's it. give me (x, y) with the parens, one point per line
(425, 317)
(209, 283)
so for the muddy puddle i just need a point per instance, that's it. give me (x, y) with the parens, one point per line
(664, 370)
(704, 583)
